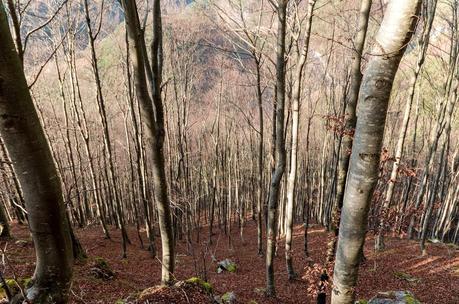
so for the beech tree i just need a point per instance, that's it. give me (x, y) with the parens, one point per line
(429, 10)
(350, 120)
(152, 113)
(33, 163)
(395, 32)
(279, 143)
(292, 175)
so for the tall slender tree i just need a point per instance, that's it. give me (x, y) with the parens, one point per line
(292, 175)
(152, 113)
(279, 143)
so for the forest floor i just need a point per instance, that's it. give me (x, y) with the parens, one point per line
(433, 278)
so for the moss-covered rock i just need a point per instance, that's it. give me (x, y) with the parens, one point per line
(229, 298)
(200, 282)
(394, 297)
(231, 268)
(100, 269)
(409, 299)
(12, 287)
(226, 265)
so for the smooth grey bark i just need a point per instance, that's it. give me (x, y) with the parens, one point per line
(279, 143)
(424, 44)
(140, 157)
(33, 162)
(152, 114)
(394, 34)
(292, 176)
(350, 122)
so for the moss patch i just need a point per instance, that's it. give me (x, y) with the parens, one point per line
(13, 286)
(406, 277)
(409, 299)
(201, 283)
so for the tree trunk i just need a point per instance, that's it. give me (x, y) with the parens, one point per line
(280, 154)
(152, 114)
(395, 32)
(32, 160)
(292, 176)
(424, 43)
(260, 192)
(349, 127)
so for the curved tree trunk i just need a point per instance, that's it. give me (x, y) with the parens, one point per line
(424, 43)
(32, 160)
(395, 32)
(350, 121)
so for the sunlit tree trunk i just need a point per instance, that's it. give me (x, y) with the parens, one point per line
(424, 43)
(350, 122)
(140, 157)
(396, 29)
(292, 176)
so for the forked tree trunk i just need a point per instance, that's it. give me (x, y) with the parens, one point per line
(394, 34)
(32, 160)
(152, 114)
